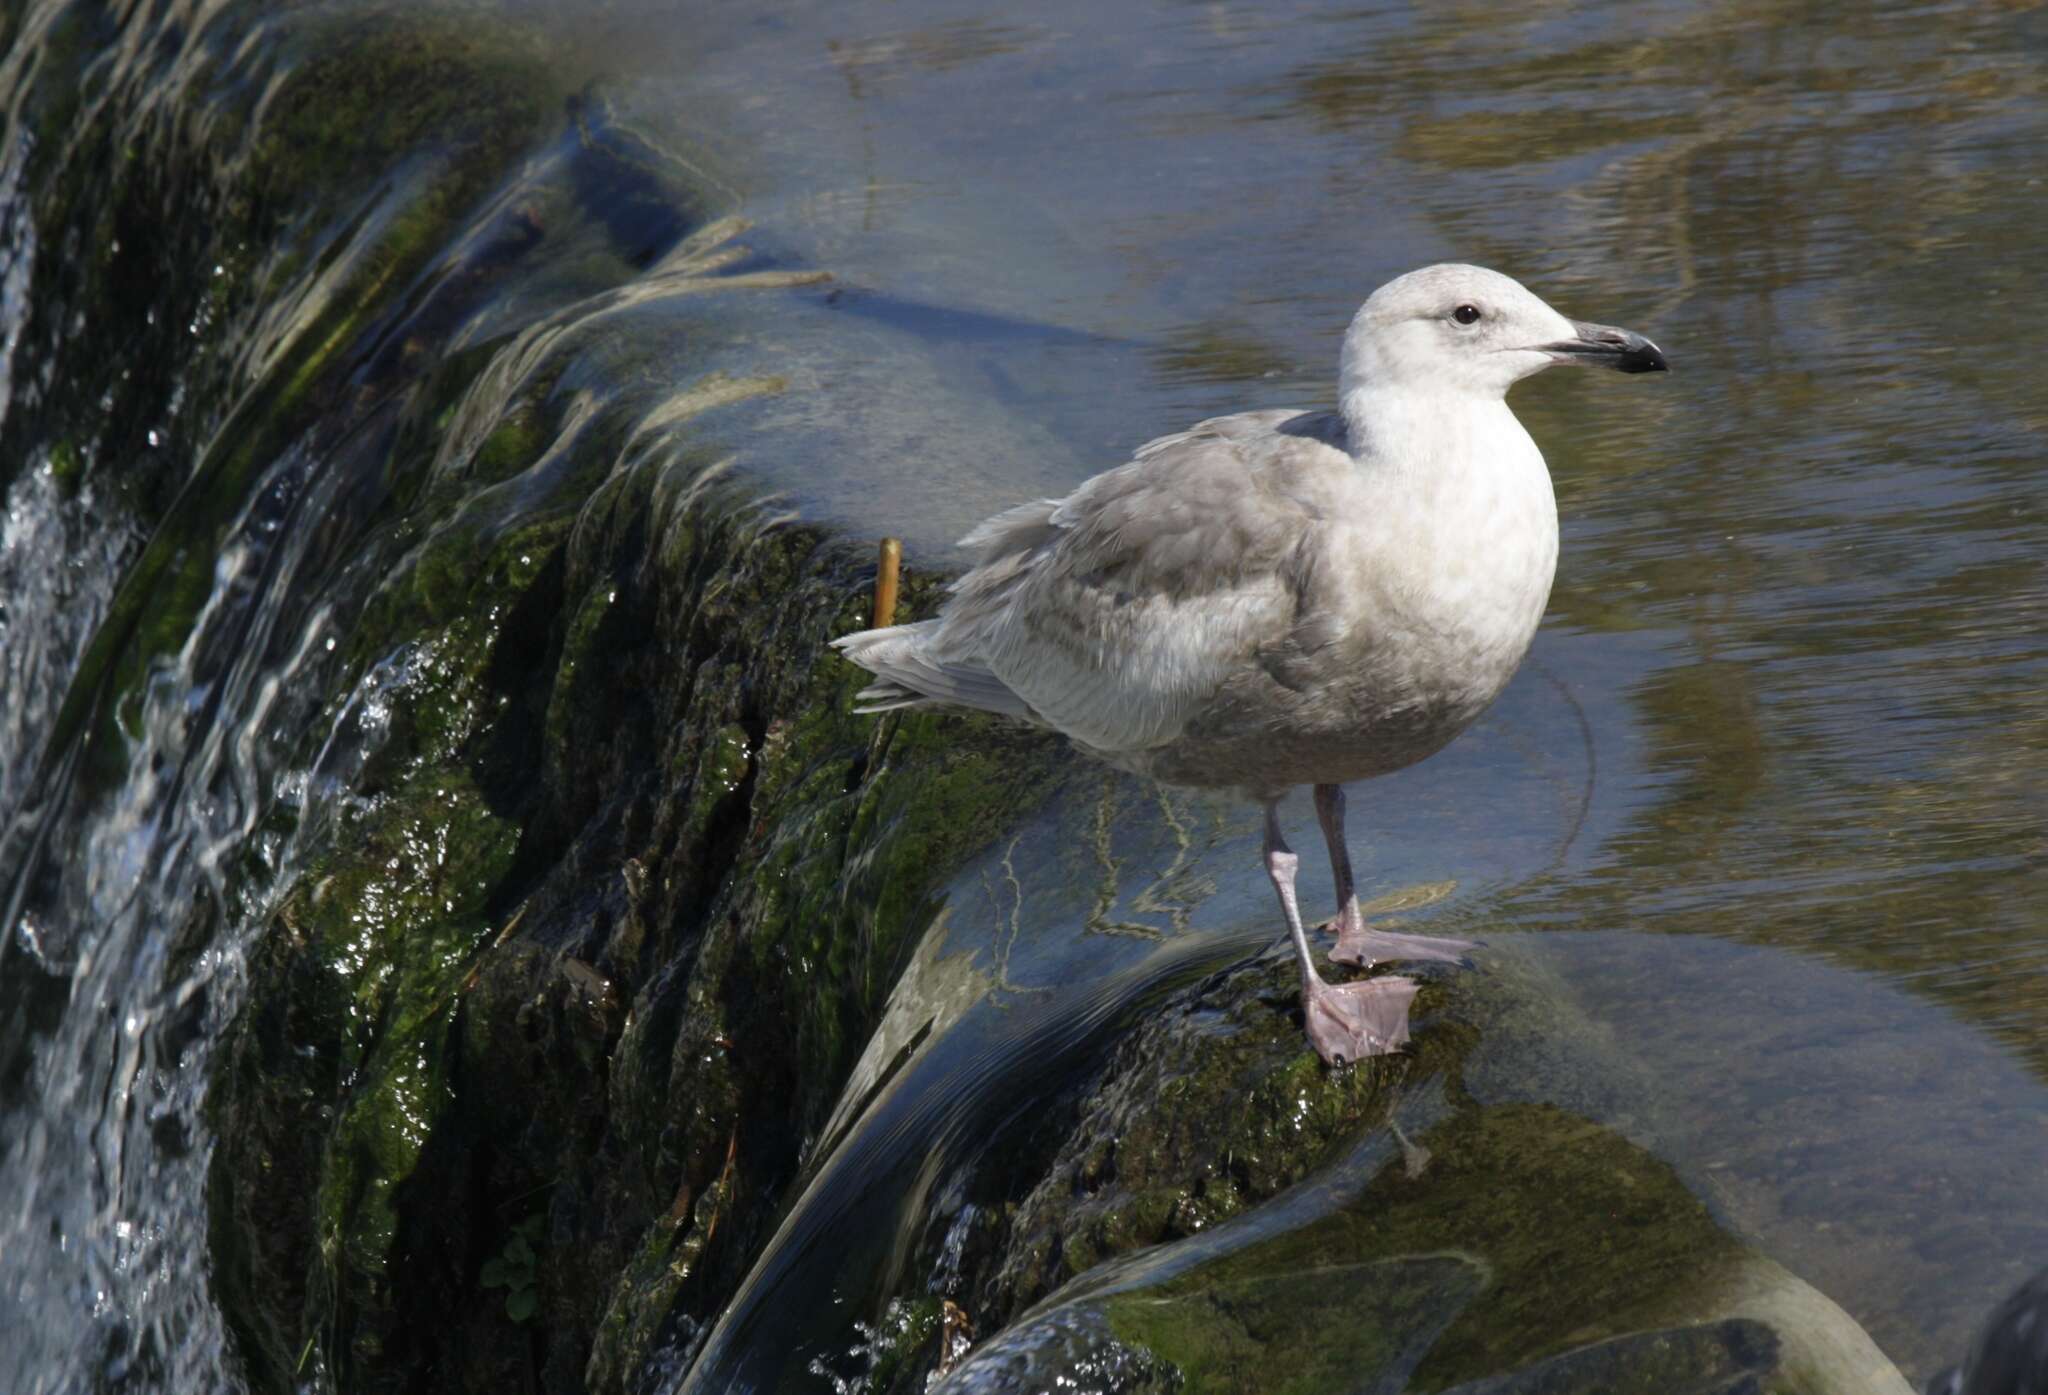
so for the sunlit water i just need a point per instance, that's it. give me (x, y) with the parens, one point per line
(1770, 793)
(1801, 603)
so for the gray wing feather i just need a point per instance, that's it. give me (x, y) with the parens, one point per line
(1121, 611)
(1116, 613)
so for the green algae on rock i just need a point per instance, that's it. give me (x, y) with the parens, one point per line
(711, 873)
(1535, 1251)
(714, 853)
(1205, 1112)
(197, 190)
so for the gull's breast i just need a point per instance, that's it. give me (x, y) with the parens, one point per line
(1424, 604)
(1451, 580)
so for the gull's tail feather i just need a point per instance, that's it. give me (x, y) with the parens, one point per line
(910, 676)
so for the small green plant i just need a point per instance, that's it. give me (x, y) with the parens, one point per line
(515, 1267)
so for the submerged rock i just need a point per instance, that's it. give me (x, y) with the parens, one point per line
(1226, 1214)
(1206, 1111)
(2010, 1354)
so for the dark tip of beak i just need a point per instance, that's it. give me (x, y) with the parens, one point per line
(1604, 346)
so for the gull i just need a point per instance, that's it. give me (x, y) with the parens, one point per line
(1283, 598)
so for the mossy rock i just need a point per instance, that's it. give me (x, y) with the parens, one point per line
(1211, 1106)
(706, 913)
(1241, 1216)
(1532, 1251)
(616, 816)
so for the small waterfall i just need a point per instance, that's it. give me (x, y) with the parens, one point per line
(180, 720)
(339, 477)
(136, 967)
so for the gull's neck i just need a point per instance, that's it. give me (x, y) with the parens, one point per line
(1408, 428)
(1461, 521)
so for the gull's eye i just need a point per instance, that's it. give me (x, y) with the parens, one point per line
(1465, 314)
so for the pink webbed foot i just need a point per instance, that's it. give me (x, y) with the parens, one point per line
(1351, 1021)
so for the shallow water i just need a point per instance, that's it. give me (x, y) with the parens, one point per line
(1770, 792)
(1785, 704)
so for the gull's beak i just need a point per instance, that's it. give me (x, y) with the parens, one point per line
(1604, 346)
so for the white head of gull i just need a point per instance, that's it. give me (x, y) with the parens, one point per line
(1283, 598)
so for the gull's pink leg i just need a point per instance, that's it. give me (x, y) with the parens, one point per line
(1345, 1021)
(1355, 943)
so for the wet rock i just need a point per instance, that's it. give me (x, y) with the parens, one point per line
(1209, 1108)
(1227, 1211)
(664, 957)
(1067, 1349)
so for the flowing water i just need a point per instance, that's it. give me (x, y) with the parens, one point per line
(1769, 795)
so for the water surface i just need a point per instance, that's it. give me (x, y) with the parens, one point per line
(1785, 707)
